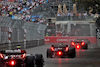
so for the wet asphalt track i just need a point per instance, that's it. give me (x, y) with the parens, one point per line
(84, 58)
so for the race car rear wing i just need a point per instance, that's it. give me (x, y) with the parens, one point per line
(13, 52)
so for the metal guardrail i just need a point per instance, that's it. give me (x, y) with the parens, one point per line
(29, 44)
(19, 32)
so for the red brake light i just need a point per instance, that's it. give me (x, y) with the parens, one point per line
(66, 48)
(52, 48)
(78, 46)
(24, 55)
(83, 43)
(1, 55)
(59, 53)
(73, 43)
(12, 62)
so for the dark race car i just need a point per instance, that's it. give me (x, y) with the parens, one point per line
(61, 51)
(79, 44)
(19, 58)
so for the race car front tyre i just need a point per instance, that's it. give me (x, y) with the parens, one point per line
(71, 53)
(30, 60)
(49, 53)
(39, 60)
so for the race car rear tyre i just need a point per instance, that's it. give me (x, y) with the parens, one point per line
(71, 53)
(85, 47)
(30, 60)
(1, 64)
(49, 53)
(39, 60)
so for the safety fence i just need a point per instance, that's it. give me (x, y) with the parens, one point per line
(18, 32)
(71, 28)
(75, 18)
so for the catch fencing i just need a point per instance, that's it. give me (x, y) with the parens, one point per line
(75, 18)
(15, 32)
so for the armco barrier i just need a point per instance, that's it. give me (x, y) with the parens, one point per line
(29, 44)
(18, 32)
(59, 39)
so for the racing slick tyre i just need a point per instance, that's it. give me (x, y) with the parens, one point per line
(85, 47)
(49, 53)
(39, 60)
(71, 53)
(30, 60)
(1, 64)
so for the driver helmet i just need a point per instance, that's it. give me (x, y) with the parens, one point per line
(18, 47)
(61, 44)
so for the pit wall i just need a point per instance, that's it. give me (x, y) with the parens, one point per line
(54, 39)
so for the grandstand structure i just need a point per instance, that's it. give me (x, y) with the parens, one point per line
(50, 9)
(57, 23)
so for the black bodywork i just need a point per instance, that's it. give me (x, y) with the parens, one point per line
(19, 61)
(61, 51)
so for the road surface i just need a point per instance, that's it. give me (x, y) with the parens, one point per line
(84, 58)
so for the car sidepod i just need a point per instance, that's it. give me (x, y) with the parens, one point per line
(71, 53)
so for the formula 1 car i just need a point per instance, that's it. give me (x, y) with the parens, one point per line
(61, 51)
(86, 41)
(79, 44)
(19, 58)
